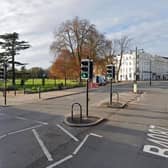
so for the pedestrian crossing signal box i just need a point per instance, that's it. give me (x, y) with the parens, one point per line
(1, 73)
(110, 71)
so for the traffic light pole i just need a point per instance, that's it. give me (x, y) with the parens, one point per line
(111, 92)
(87, 97)
(150, 83)
(5, 82)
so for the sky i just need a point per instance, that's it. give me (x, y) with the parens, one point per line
(145, 21)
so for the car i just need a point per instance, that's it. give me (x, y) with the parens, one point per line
(100, 80)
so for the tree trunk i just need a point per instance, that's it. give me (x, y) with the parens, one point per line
(13, 70)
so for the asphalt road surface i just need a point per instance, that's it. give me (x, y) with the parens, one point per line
(33, 135)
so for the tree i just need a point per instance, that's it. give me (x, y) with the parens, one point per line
(11, 46)
(123, 45)
(95, 43)
(37, 72)
(65, 66)
(72, 35)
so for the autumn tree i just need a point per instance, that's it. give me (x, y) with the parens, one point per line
(72, 35)
(65, 66)
(11, 46)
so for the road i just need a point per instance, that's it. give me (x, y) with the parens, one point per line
(33, 135)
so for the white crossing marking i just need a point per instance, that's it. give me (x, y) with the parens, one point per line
(22, 130)
(96, 135)
(26, 119)
(40, 122)
(60, 161)
(152, 126)
(43, 147)
(3, 136)
(68, 133)
(80, 145)
(21, 118)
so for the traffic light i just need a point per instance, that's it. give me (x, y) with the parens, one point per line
(1, 73)
(110, 71)
(86, 69)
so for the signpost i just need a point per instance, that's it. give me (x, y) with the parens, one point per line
(3, 76)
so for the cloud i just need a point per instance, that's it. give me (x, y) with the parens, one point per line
(145, 21)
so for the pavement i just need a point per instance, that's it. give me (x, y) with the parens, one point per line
(54, 103)
(22, 98)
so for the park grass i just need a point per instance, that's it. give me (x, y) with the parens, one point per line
(33, 85)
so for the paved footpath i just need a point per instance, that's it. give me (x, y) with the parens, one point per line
(21, 98)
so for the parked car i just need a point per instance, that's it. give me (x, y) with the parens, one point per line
(100, 80)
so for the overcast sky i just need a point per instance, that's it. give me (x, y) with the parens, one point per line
(146, 21)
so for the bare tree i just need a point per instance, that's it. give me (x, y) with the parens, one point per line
(123, 45)
(95, 43)
(72, 35)
(109, 51)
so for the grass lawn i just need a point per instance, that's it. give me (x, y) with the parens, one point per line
(32, 85)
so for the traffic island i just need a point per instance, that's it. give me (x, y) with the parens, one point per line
(76, 121)
(114, 105)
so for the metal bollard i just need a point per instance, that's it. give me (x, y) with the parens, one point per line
(72, 115)
(39, 92)
(24, 90)
(117, 96)
(15, 90)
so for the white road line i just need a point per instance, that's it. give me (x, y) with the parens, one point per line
(3, 136)
(40, 122)
(80, 145)
(152, 126)
(26, 119)
(60, 161)
(96, 135)
(22, 130)
(68, 133)
(21, 118)
(43, 147)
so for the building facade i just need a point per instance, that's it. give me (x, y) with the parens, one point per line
(142, 67)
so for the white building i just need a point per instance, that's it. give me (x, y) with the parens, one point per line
(145, 63)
